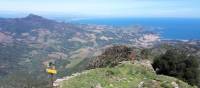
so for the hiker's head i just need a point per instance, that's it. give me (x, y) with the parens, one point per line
(50, 63)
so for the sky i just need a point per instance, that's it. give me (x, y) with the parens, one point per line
(105, 8)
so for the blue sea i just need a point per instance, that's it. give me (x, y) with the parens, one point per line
(170, 28)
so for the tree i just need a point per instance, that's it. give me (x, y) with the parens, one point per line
(178, 64)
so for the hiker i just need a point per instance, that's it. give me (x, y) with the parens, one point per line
(51, 70)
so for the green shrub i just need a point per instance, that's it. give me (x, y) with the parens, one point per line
(178, 64)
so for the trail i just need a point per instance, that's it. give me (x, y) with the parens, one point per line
(59, 81)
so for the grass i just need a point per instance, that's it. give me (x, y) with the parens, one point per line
(123, 76)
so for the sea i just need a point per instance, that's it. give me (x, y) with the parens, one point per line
(168, 28)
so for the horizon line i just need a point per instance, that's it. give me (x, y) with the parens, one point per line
(17, 14)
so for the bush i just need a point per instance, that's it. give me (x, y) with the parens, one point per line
(178, 64)
(111, 57)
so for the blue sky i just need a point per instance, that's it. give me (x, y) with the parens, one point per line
(106, 8)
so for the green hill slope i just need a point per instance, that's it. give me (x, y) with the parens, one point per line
(125, 75)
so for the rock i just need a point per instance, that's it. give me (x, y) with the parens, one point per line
(98, 86)
(175, 85)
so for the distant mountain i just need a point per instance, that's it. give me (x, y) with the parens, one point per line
(26, 24)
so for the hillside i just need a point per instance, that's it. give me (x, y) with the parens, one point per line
(29, 43)
(125, 75)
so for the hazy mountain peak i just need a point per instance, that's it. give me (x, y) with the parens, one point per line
(33, 16)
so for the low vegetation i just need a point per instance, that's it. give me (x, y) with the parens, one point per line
(126, 75)
(111, 57)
